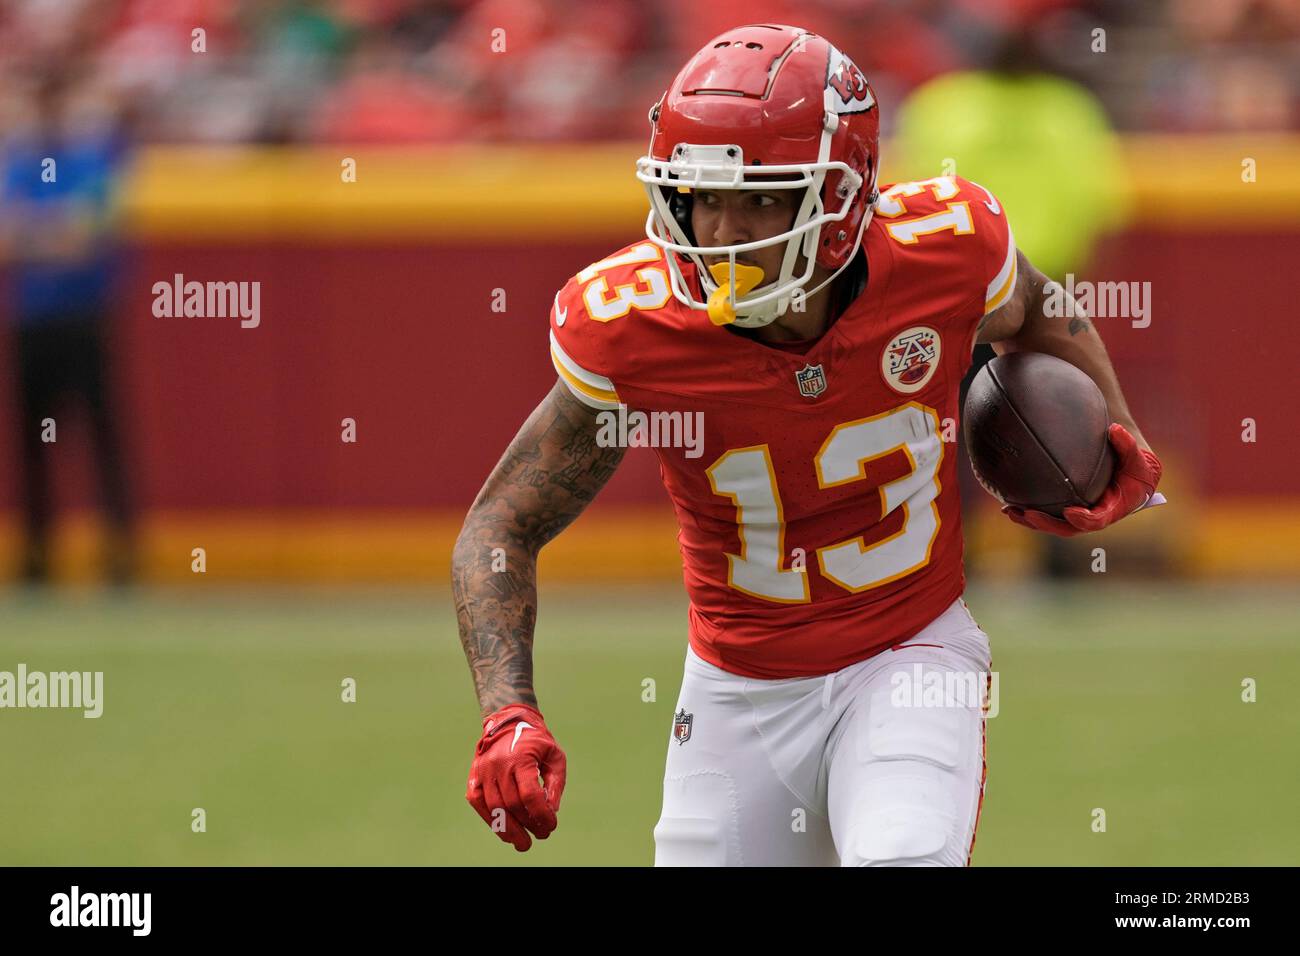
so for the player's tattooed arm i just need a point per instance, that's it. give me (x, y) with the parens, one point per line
(551, 471)
(1026, 323)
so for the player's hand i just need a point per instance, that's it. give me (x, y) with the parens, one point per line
(1137, 473)
(504, 788)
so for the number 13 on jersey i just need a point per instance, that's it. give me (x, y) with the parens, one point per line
(746, 476)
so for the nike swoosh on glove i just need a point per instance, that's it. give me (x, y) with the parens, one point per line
(1136, 476)
(515, 750)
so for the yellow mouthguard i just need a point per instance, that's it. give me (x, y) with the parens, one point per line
(721, 310)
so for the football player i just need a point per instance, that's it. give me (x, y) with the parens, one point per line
(822, 328)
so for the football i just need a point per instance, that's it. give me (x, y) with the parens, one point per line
(1035, 430)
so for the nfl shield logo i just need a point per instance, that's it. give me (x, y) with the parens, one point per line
(682, 726)
(812, 381)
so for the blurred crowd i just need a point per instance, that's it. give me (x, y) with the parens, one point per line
(538, 70)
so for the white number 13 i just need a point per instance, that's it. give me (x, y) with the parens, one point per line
(745, 475)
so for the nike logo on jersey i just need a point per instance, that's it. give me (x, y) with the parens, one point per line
(560, 314)
(993, 205)
(519, 729)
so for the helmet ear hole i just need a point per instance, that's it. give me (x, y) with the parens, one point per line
(680, 205)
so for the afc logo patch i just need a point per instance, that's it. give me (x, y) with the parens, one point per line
(910, 359)
(811, 380)
(682, 726)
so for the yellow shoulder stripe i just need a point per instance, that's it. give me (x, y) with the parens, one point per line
(608, 396)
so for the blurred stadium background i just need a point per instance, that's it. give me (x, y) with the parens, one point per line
(493, 145)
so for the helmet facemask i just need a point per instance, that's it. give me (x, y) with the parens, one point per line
(722, 167)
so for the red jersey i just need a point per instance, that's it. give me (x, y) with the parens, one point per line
(816, 493)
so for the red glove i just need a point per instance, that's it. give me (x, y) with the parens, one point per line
(514, 750)
(1134, 482)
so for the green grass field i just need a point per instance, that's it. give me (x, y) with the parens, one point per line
(1115, 697)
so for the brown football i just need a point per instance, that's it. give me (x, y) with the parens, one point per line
(1035, 429)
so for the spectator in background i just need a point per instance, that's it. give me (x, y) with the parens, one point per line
(58, 176)
(1041, 143)
(1230, 64)
(383, 98)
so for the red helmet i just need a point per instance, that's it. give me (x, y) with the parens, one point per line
(764, 107)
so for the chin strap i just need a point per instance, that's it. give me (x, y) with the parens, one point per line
(856, 249)
(847, 262)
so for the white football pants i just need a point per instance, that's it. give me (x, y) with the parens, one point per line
(878, 764)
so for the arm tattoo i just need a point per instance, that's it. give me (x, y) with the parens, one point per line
(551, 471)
(1037, 294)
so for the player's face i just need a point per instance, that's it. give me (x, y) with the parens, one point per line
(723, 217)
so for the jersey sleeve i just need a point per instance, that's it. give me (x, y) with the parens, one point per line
(997, 245)
(581, 349)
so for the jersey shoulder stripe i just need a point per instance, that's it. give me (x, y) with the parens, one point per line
(588, 387)
(1004, 283)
